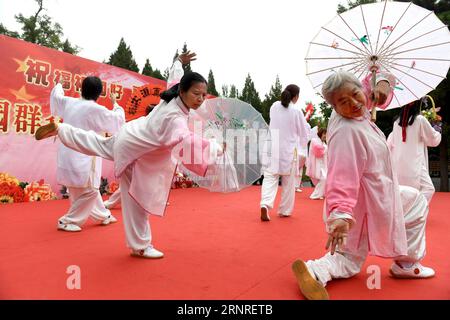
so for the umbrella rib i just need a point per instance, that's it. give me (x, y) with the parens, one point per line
(411, 76)
(365, 26)
(357, 67)
(395, 26)
(362, 64)
(337, 48)
(406, 32)
(332, 58)
(395, 96)
(409, 41)
(360, 75)
(403, 84)
(428, 59)
(381, 25)
(414, 49)
(360, 50)
(331, 68)
(364, 46)
(424, 71)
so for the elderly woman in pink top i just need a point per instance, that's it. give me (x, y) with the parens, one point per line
(366, 211)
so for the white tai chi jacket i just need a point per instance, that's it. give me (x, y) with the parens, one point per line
(153, 145)
(75, 169)
(412, 155)
(289, 131)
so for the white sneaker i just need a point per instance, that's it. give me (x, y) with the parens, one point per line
(149, 253)
(415, 271)
(68, 227)
(284, 215)
(110, 219)
(298, 190)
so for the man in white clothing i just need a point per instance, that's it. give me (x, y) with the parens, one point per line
(79, 172)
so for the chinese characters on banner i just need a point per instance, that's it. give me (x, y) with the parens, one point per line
(28, 73)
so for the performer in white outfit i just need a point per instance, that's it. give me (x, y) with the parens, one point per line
(409, 139)
(114, 200)
(289, 130)
(302, 152)
(145, 158)
(81, 173)
(316, 165)
(366, 211)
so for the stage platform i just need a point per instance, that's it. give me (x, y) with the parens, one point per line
(215, 248)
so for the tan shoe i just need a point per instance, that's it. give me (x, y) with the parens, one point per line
(265, 214)
(46, 131)
(309, 286)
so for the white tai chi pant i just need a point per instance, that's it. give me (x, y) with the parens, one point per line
(113, 200)
(344, 265)
(426, 185)
(298, 179)
(319, 190)
(85, 202)
(135, 218)
(269, 192)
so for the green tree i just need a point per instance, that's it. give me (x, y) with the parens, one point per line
(6, 32)
(123, 57)
(225, 91)
(274, 95)
(40, 29)
(234, 92)
(211, 89)
(70, 48)
(250, 95)
(157, 74)
(147, 70)
(352, 4)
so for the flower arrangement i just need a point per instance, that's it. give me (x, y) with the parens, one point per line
(112, 187)
(182, 180)
(39, 191)
(431, 114)
(14, 191)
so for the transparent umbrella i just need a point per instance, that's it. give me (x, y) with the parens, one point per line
(399, 37)
(244, 131)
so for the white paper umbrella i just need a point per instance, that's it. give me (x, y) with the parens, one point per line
(244, 130)
(399, 37)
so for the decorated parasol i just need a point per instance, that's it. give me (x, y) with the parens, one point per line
(244, 131)
(401, 38)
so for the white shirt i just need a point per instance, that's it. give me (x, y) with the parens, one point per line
(412, 155)
(289, 131)
(75, 169)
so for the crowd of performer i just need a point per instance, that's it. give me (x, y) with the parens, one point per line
(376, 192)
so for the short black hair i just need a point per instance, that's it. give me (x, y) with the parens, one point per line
(91, 88)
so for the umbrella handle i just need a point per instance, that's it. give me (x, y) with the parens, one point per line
(374, 83)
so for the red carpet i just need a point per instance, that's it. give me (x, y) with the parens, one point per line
(215, 248)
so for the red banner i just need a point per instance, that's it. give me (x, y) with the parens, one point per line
(28, 72)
